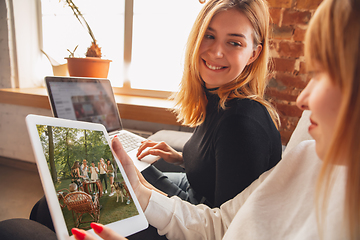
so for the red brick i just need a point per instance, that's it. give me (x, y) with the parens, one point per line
(283, 121)
(292, 17)
(302, 68)
(273, 83)
(308, 4)
(299, 34)
(288, 125)
(288, 110)
(291, 49)
(285, 137)
(272, 44)
(284, 65)
(280, 3)
(273, 93)
(271, 75)
(284, 32)
(275, 14)
(291, 81)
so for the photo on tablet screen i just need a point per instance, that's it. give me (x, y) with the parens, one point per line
(87, 180)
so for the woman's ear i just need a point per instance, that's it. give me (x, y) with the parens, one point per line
(255, 54)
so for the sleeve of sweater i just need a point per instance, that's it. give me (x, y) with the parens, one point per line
(181, 220)
(246, 214)
(178, 219)
(242, 153)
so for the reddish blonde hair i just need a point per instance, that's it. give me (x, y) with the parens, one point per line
(333, 40)
(251, 83)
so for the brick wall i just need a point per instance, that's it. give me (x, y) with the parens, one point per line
(290, 19)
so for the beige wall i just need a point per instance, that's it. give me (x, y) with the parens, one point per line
(14, 140)
(5, 72)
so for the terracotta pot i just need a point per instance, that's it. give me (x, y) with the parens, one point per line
(88, 67)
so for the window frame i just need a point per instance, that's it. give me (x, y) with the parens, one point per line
(128, 29)
(25, 42)
(27, 47)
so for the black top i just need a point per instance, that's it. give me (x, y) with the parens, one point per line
(75, 175)
(231, 149)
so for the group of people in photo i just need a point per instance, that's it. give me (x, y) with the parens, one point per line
(92, 173)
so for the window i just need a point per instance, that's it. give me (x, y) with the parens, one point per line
(157, 37)
(61, 31)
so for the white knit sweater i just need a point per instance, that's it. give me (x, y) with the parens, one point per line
(278, 205)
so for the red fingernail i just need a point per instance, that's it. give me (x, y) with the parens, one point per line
(79, 235)
(115, 136)
(97, 228)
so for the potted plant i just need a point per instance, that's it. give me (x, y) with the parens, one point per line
(92, 65)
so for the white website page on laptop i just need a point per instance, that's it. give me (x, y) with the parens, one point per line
(89, 100)
(92, 100)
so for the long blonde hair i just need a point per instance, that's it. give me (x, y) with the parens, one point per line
(191, 100)
(333, 39)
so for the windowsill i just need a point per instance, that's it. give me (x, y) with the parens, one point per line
(149, 109)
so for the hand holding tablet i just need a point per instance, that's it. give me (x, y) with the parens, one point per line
(141, 188)
(57, 144)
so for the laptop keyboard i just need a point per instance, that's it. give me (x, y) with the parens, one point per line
(129, 141)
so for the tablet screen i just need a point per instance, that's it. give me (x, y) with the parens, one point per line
(86, 178)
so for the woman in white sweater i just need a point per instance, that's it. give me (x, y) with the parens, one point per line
(313, 193)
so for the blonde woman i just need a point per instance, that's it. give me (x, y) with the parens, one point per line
(85, 169)
(102, 172)
(222, 96)
(110, 173)
(313, 193)
(94, 171)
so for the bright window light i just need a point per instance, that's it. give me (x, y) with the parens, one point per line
(159, 39)
(159, 35)
(61, 31)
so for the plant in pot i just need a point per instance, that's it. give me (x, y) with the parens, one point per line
(92, 65)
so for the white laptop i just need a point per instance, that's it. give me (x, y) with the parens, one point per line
(58, 144)
(92, 100)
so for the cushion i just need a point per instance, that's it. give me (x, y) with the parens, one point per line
(175, 139)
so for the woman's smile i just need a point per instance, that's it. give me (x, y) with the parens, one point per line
(212, 66)
(226, 48)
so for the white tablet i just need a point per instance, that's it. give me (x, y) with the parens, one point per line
(77, 196)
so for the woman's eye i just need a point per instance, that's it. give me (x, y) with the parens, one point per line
(236, 44)
(208, 36)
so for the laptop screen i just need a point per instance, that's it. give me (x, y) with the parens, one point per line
(84, 99)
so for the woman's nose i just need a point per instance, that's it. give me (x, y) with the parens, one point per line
(217, 50)
(302, 99)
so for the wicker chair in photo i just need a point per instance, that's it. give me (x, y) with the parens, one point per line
(80, 203)
(61, 194)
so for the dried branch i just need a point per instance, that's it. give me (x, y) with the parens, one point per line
(94, 50)
(81, 18)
